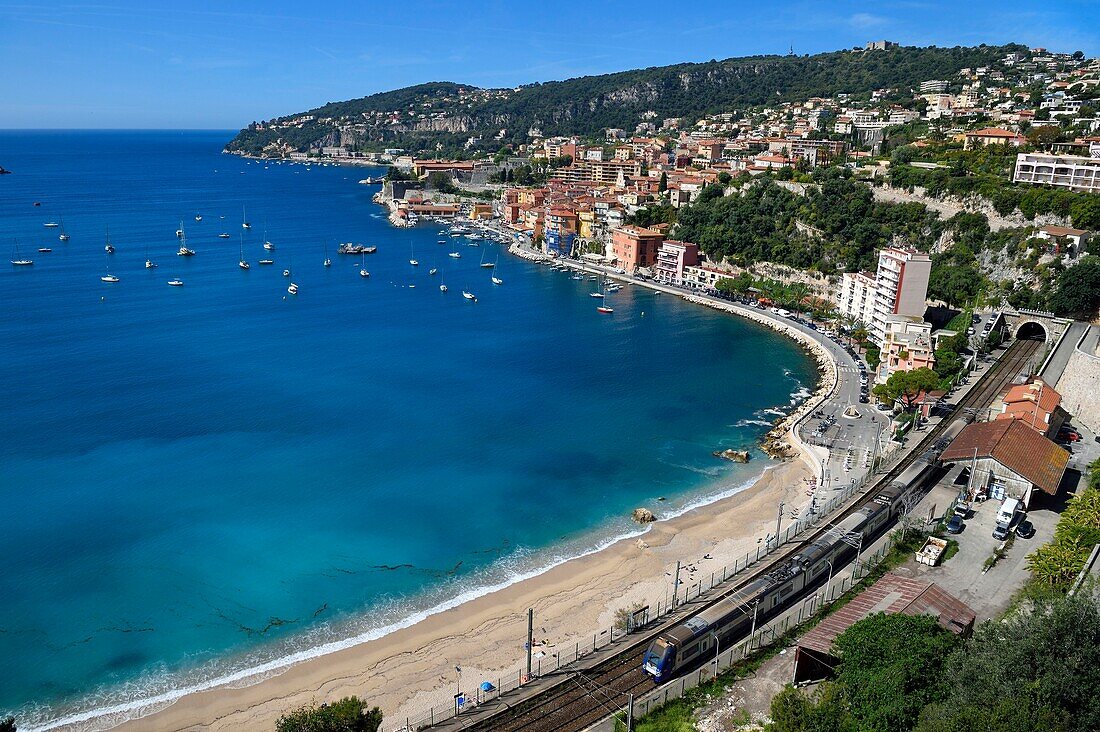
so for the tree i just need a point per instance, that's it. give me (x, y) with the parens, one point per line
(441, 182)
(948, 363)
(1085, 212)
(1039, 665)
(825, 711)
(1078, 290)
(890, 667)
(350, 714)
(906, 386)
(662, 184)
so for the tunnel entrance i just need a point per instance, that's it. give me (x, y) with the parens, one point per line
(1031, 331)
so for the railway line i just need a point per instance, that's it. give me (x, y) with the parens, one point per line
(583, 696)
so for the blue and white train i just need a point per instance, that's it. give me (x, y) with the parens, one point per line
(685, 645)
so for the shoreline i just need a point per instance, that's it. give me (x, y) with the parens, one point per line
(255, 697)
(572, 600)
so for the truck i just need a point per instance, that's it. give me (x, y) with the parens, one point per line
(931, 552)
(1006, 514)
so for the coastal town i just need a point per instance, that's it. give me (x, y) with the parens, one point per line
(814, 337)
(979, 374)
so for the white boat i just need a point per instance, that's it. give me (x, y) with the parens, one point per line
(175, 283)
(328, 262)
(242, 263)
(223, 235)
(496, 280)
(455, 255)
(604, 309)
(269, 246)
(183, 250)
(442, 287)
(150, 264)
(431, 271)
(109, 247)
(364, 273)
(51, 224)
(244, 220)
(469, 296)
(267, 261)
(412, 257)
(18, 261)
(179, 231)
(109, 277)
(198, 218)
(292, 289)
(63, 236)
(286, 273)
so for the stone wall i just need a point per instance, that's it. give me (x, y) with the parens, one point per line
(1080, 389)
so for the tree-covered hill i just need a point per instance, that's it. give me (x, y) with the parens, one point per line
(444, 113)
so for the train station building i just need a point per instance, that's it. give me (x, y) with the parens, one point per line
(1008, 459)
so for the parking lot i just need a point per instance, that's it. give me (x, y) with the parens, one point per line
(988, 593)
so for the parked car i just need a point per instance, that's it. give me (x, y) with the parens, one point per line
(1068, 434)
(1000, 533)
(1025, 529)
(955, 525)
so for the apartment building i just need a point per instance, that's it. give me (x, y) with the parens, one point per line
(635, 247)
(672, 258)
(906, 345)
(1074, 172)
(898, 287)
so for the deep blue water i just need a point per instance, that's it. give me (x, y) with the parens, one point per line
(198, 478)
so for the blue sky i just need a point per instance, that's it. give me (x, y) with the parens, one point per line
(204, 64)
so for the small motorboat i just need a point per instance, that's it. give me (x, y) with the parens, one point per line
(328, 262)
(269, 246)
(179, 233)
(292, 289)
(109, 278)
(497, 280)
(414, 263)
(51, 224)
(595, 294)
(243, 264)
(431, 271)
(45, 250)
(604, 309)
(223, 235)
(175, 283)
(150, 264)
(267, 261)
(198, 218)
(286, 273)
(455, 255)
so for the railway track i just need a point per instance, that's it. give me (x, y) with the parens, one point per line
(582, 697)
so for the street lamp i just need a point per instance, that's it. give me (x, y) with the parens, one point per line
(829, 582)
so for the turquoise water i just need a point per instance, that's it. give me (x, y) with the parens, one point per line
(200, 479)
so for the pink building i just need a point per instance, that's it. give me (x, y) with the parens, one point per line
(672, 257)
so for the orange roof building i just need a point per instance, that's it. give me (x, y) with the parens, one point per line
(1034, 404)
(1009, 459)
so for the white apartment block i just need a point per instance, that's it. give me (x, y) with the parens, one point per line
(899, 287)
(1077, 173)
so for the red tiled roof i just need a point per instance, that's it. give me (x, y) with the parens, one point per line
(892, 594)
(1015, 446)
(992, 132)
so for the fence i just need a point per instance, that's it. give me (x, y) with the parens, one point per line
(765, 635)
(665, 607)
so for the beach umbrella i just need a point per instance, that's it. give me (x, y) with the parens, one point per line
(486, 686)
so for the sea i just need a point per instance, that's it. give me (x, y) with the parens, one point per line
(205, 482)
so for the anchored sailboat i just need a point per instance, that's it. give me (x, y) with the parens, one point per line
(242, 263)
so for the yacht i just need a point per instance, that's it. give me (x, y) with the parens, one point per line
(109, 277)
(363, 272)
(269, 246)
(18, 261)
(469, 296)
(442, 287)
(150, 264)
(242, 263)
(175, 283)
(64, 235)
(244, 220)
(183, 250)
(109, 247)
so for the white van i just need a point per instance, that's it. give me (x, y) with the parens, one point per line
(1007, 512)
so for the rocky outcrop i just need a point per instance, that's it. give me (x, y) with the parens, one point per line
(737, 456)
(643, 516)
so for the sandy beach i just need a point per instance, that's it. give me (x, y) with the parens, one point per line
(411, 669)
